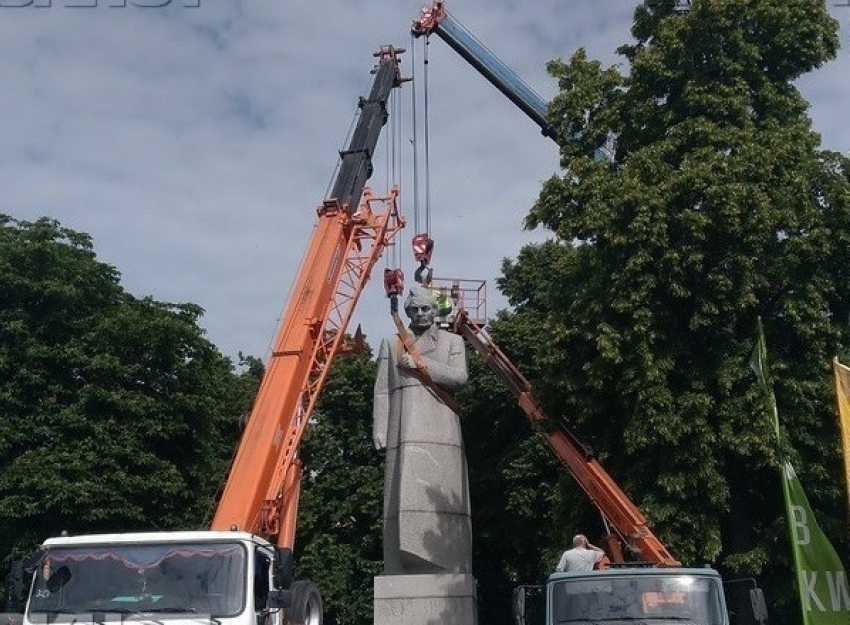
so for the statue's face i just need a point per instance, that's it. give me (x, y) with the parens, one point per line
(421, 312)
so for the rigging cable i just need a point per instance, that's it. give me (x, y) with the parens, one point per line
(396, 155)
(390, 139)
(427, 142)
(415, 144)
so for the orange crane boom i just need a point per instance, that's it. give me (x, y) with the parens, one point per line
(629, 526)
(263, 486)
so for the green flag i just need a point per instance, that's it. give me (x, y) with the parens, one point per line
(821, 580)
(824, 593)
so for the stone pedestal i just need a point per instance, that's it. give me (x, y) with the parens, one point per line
(445, 599)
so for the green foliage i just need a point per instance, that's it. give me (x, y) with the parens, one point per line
(118, 414)
(719, 208)
(338, 542)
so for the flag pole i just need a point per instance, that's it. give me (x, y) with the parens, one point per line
(821, 579)
(758, 363)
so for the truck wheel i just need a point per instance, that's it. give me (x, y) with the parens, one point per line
(306, 608)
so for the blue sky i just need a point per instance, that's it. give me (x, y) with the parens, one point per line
(194, 140)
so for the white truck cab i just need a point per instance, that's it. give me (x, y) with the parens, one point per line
(623, 595)
(175, 578)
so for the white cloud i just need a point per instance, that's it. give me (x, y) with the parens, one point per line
(194, 144)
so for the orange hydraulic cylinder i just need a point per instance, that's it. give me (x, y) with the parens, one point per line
(289, 513)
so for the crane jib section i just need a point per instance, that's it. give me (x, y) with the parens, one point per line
(356, 166)
(436, 19)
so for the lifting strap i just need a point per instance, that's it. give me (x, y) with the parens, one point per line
(406, 343)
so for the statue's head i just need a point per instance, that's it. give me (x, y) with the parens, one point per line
(421, 307)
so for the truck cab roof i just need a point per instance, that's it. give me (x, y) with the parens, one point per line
(153, 537)
(649, 571)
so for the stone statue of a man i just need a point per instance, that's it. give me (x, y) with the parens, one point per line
(427, 526)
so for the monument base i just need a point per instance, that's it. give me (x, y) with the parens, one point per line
(444, 599)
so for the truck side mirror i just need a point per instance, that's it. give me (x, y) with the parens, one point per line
(15, 590)
(746, 605)
(529, 604)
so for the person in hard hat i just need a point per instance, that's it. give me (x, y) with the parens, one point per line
(444, 302)
(581, 557)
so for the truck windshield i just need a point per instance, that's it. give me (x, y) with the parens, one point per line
(167, 578)
(657, 599)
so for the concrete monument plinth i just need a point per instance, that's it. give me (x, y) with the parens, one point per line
(431, 599)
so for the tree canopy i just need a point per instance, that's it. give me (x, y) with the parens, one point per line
(118, 414)
(719, 207)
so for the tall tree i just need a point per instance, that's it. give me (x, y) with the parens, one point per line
(117, 413)
(719, 207)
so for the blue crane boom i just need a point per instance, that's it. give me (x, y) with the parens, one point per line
(435, 19)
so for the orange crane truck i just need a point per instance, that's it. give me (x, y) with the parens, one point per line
(240, 571)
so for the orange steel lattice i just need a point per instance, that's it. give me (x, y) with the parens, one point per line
(261, 495)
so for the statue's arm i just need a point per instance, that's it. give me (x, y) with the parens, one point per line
(381, 398)
(451, 374)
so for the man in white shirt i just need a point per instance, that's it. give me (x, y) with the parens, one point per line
(582, 557)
